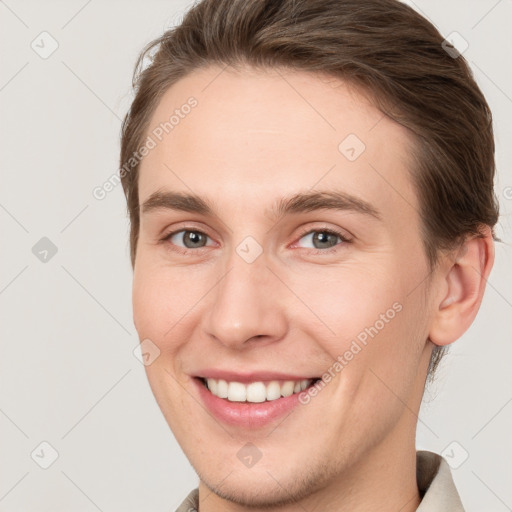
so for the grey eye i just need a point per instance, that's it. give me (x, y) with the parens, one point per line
(189, 239)
(322, 239)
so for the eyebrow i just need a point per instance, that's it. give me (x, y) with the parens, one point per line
(302, 202)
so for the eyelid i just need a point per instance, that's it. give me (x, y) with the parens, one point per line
(167, 236)
(342, 233)
(304, 231)
(324, 229)
(166, 233)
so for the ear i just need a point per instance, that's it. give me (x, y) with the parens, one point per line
(463, 284)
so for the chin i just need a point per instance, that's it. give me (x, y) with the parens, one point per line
(260, 490)
(264, 485)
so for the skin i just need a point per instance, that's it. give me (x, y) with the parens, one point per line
(255, 137)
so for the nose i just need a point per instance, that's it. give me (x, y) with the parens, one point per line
(247, 305)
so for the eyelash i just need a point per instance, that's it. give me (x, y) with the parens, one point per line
(330, 250)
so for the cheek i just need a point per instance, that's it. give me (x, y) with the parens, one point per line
(366, 316)
(343, 302)
(160, 298)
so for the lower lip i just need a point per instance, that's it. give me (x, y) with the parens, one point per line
(246, 414)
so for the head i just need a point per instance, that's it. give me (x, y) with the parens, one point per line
(256, 127)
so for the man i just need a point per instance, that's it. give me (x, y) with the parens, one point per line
(310, 189)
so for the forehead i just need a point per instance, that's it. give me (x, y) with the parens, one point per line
(256, 135)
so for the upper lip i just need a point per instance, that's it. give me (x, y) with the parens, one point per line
(252, 376)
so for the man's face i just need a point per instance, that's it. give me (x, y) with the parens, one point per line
(248, 294)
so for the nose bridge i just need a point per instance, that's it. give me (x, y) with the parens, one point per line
(245, 302)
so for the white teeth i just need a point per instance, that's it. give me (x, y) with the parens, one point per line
(255, 392)
(222, 388)
(273, 390)
(287, 388)
(237, 392)
(212, 385)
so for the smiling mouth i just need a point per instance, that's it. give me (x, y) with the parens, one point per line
(255, 392)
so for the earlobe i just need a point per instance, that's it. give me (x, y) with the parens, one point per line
(463, 289)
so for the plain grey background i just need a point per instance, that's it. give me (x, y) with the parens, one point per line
(68, 374)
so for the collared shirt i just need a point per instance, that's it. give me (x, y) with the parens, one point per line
(435, 484)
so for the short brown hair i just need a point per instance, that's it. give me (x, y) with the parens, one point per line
(382, 46)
